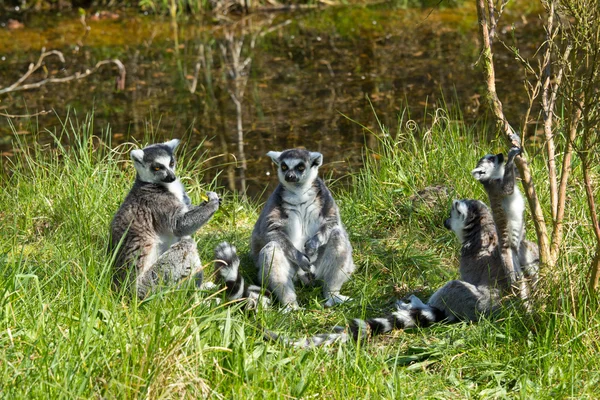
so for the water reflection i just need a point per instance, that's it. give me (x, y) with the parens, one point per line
(261, 83)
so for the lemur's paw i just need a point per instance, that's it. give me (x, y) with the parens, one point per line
(303, 261)
(208, 286)
(402, 305)
(335, 299)
(516, 139)
(291, 307)
(213, 198)
(513, 152)
(311, 246)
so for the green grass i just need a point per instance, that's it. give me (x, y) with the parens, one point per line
(65, 333)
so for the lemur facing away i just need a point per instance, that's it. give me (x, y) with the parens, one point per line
(298, 235)
(482, 283)
(519, 256)
(151, 230)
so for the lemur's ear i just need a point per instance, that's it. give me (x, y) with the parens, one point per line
(137, 156)
(316, 159)
(500, 158)
(172, 144)
(274, 156)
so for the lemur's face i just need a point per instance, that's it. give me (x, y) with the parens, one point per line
(156, 163)
(457, 219)
(296, 167)
(464, 215)
(489, 167)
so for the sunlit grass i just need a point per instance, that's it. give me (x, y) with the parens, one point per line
(65, 333)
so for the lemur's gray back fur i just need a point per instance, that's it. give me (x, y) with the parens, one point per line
(508, 207)
(150, 231)
(482, 282)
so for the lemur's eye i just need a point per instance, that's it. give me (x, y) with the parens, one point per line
(301, 167)
(156, 168)
(172, 164)
(284, 167)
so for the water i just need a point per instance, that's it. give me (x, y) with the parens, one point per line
(310, 78)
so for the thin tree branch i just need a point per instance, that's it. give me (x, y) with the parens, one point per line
(18, 85)
(557, 232)
(548, 109)
(43, 112)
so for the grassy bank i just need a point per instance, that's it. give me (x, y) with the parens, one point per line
(65, 333)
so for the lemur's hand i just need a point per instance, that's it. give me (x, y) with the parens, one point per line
(516, 139)
(213, 199)
(302, 261)
(311, 246)
(513, 152)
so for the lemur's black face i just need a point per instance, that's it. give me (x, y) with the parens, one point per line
(296, 167)
(156, 163)
(293, 170)
(489, 167)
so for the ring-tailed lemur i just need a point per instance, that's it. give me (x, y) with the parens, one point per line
(298, 235)
(151, 230)
(482, 283)
(519, 256)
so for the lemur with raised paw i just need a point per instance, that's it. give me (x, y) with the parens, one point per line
(520, 257)
(151, 231)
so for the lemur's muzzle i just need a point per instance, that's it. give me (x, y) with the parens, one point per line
(170, 177)
(447, 224)
(291, 177)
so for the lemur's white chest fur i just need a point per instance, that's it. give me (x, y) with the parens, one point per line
(303, 213)
(176, 187)
(166, 240)
(514, 207)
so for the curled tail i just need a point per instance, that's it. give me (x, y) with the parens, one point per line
(407, 315)
(228, 264)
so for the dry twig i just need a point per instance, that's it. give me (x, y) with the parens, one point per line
(43, 112)
(19, 84)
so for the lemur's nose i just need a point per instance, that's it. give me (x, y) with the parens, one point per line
(447, 224)
(291, 177)
(170, 177)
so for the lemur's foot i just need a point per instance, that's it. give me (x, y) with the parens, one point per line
(402, 305)
(334, 299)
(291, 307)
(208, 286)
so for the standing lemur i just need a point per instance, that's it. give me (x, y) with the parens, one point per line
(298, 235)
(520, 257)
(151, 230)
(482, 283)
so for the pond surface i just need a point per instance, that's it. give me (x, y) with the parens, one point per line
(310, 78)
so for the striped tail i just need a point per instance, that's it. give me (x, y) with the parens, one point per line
(323, 339)
(407, 315)
(235, 286)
